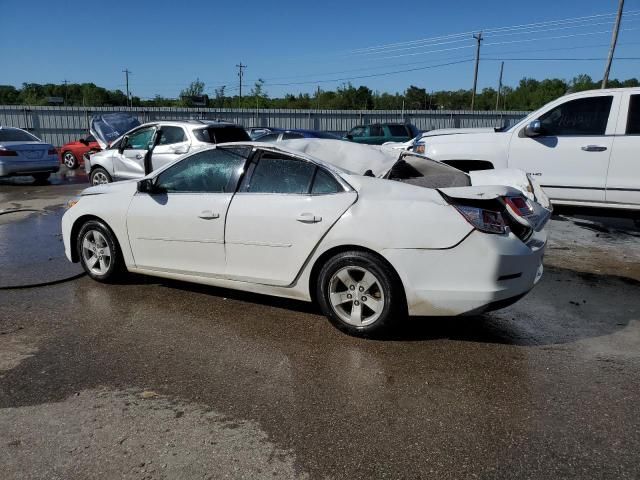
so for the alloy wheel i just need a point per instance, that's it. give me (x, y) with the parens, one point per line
(96, 253)
(69, 160)
(99, 178)
(356, 296)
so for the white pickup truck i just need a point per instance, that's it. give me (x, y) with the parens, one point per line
(583, 148)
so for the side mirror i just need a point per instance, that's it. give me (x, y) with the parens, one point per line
(533, 129)
(123, 144)
(146, 186)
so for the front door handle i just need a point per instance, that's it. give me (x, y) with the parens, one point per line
(208, 215)
(594, 148)
(308, 218)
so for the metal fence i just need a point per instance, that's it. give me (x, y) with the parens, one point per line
(58, 125)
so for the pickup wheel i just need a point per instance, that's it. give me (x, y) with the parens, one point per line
(100, 176)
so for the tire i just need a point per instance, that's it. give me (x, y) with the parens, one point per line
(361, 294)
(99, 176)
(41, 177)
(99, 253)
(70, 161)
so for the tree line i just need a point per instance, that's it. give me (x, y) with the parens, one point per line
(529, 94)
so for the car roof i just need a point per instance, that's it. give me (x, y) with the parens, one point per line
(191, 123)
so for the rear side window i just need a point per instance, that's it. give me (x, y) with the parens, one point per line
(141, 139)
(221, 134)
(398, 131)
(584, 116)
(291, 135)
(171, 135)
(357, 132)
(211, 171)
(633, 120)
(324, 183)
(376, 131)
(278, 174)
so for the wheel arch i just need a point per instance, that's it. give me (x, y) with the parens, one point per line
(322, 259)
(75, 231)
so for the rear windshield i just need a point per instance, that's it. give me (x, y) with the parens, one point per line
(221, 134)
(15, 135)
(398, 131)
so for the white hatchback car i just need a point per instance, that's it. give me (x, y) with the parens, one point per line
(371, 236)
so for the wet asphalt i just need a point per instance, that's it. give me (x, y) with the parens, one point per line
(152, 378)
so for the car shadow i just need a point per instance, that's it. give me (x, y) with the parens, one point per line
(565, 307)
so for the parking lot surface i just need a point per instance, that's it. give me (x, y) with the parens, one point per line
(153, 378)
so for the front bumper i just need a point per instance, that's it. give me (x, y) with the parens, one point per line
(483, 272)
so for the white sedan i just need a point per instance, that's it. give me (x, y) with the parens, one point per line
(370, 234)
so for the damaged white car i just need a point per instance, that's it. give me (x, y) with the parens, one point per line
(370, 234)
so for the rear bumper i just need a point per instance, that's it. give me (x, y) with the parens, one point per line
(484, 272)
(10, 168)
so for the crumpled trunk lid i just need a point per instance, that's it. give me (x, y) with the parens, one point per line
(109, 127)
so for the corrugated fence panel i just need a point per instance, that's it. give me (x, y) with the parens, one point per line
(59, 125)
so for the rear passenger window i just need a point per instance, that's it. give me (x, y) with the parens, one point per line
(398, 131)
(376, 131)
(171, 135)
(277, 174)
(633, 120)
(291, 135)
(584, 116)
(324, 183)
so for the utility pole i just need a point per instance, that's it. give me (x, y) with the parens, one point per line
(318, 98)
(499, 86)
(126, 76)
(614, 40)
(240, 75)
(475, 75)
(65, 81)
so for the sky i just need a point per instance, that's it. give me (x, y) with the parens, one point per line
(297, 46)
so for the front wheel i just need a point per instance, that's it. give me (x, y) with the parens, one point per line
(360, 293)
(99, 252)
(100, 176)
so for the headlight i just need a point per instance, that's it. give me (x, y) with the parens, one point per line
(72, 202)
(484, 220)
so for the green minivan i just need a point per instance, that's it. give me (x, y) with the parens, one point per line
(379, 133)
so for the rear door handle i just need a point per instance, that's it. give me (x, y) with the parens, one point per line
(308, 218)
(594, 148)
(208, 215)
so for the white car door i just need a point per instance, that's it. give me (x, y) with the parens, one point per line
(280, 213)
(173, 143)
(623, 181)
(128, 161)
(570, 157)
(179, 226)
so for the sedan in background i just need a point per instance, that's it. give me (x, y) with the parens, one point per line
(379, 133)
(294, 134)
(369, 233)
(72, 153)
(22, 153)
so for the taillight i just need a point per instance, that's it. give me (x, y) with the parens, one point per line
(52, 151)
(483, 220)
(8, 153)
(519, 206)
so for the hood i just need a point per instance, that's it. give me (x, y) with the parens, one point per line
(109, 127)
(456, 131)
(114, 187)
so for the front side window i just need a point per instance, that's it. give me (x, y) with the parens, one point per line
(358, 132)
(584, 116)
(211, 171)
(140, 140)
(275, 173)
(633, 120)
(171, 135)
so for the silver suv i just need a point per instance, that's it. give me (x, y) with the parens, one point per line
(125, 158)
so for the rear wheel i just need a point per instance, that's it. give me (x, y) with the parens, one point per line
(99, 252)
(100, 176)
(360, 294)
(70, 161)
